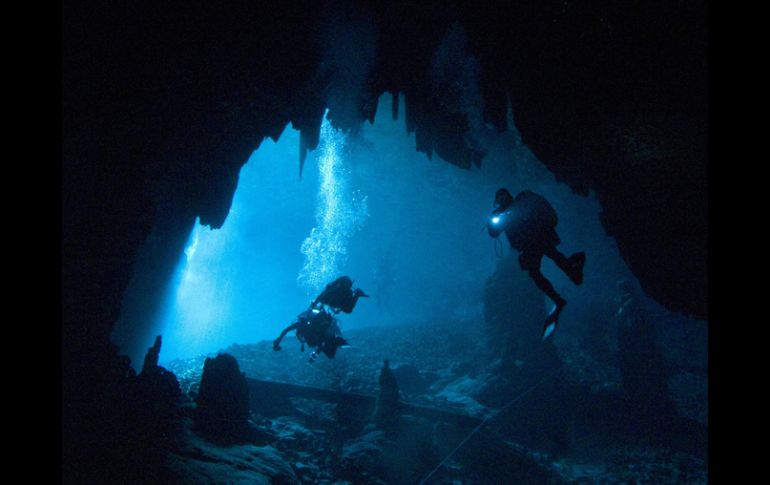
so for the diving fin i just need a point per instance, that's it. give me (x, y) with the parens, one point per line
(552, 319)
(548, 330)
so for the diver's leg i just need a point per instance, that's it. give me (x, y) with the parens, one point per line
(546, 287)
(572, 266)
(530, 262)
(561, 261)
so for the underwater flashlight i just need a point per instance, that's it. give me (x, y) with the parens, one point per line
(495, 219)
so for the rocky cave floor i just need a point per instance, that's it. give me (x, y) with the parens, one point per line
(440, 365)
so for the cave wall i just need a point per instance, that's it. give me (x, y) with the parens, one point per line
(164, 102)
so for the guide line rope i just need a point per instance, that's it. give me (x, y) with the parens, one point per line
(489, 418)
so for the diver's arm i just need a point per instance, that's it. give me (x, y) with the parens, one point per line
(358, 293)
(277, 342)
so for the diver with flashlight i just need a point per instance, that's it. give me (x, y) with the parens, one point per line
(529, 222)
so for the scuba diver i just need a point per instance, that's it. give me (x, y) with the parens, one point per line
(529, 222)
(318, 329)
(339, 295)
(317, 326)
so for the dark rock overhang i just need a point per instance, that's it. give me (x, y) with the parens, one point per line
(164, 101)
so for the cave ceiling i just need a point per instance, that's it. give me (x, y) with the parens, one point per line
(163, 102)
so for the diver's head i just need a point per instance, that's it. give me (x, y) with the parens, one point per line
(344, 279)
(502, 198)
